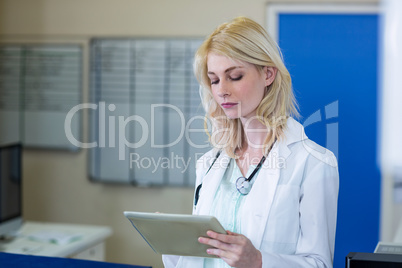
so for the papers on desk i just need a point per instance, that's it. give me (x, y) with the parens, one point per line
(55, 237)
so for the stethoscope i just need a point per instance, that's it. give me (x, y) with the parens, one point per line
(243, 184)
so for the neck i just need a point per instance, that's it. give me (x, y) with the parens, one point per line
(255, 134)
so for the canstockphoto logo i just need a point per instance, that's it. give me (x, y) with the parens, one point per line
(329, 117)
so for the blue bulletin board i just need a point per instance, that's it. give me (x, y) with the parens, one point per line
(333, 60)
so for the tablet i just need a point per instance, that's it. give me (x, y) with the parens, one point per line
(175, 234)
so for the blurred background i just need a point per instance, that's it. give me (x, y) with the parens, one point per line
(56, 183)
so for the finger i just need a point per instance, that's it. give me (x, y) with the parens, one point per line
(203, 240)
(227, 256)
(230, 238)
(215, 251)
(231, 233)
(212, 233)
(215, 243)
(223, 254)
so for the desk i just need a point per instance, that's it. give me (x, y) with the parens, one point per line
(372, 260)
(89, 245)
(26, 261)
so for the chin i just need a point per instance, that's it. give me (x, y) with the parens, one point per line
(232, 116)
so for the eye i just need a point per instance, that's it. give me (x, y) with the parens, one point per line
(214, 82)
(237, 78)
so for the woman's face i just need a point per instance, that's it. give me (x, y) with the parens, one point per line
(237, 86)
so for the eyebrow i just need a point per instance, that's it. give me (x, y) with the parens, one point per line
(228, 69)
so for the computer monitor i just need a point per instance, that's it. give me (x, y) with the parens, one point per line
(10, 189)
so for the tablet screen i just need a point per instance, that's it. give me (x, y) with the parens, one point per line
(175, 234)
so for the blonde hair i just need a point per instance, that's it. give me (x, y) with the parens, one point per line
(245, 40)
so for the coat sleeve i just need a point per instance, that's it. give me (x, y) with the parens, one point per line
(317, 214)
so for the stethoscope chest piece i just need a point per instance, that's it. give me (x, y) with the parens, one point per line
(243, 185)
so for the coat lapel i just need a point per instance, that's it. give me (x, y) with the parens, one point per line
(262, 194)
(259, 200)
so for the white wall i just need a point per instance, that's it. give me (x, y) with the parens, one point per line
(391, 121)
(56, 187)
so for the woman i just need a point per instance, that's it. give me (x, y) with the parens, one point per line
(272, 189)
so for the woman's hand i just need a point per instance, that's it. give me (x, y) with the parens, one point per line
(235, 249)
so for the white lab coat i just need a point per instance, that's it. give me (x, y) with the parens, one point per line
(290, 212)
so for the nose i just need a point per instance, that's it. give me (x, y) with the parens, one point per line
(223, 90)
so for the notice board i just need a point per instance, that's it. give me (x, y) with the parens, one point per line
(39, 85)
(146, 122)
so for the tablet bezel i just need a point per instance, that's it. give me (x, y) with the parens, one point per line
(175, 234)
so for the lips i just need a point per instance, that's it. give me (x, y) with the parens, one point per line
(227, 105)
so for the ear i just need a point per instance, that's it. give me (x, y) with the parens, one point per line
(269, 74)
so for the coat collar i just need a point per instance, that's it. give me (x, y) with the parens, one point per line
(294, 132)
